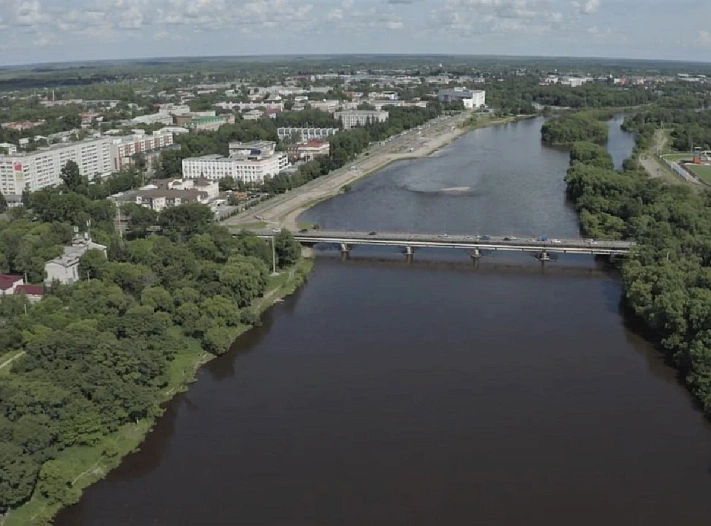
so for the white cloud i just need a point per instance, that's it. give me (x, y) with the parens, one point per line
(587, 7)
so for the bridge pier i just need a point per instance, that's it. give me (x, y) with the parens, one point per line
(409, 253)
(543, 256)
(345, 251)
(476, 254)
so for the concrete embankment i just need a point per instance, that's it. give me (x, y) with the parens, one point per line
(284, 210)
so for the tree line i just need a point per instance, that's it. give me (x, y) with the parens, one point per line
(667, 277)
(100, 353)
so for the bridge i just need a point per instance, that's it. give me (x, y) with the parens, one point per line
(541, 247)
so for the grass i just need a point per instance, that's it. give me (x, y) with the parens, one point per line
(89, 464)
(701, 171)
(678, 156)
(479, 121)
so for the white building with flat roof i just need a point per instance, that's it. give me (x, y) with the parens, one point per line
(124, 149)
(353, 118)
(42, 168)
(248, 162)
(470, 98)
(306, 134)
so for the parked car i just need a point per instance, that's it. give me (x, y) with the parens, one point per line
(372, 233)
(484, 238)
(543, 238)
(556, 241)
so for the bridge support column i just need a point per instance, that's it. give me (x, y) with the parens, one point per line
(543, 256)
(409, 253)
(476, 254)
(345, 251)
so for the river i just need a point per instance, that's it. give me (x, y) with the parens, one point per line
(439, 392)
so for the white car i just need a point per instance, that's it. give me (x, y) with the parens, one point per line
(556, 241)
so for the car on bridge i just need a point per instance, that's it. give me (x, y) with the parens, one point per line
(484, 238)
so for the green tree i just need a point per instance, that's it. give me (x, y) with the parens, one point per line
(71, 176)
(17, 476)
(288, 250)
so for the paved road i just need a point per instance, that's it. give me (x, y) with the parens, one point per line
(510, 243)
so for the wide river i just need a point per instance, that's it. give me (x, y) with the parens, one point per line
(433, 393)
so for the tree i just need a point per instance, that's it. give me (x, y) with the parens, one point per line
(17, 476)
(218, 340)
(54, 485)
(3, 204)
(92, 264)
(71, 176)
(182, 222)
(288, 250)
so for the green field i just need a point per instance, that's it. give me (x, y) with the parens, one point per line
(678, 156)
(701, 171)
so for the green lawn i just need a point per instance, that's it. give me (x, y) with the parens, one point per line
(701, 171)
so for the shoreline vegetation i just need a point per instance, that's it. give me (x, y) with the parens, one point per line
(88, 370)
(667, 277)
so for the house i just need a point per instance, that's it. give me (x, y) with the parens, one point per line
(9, 283)
(33, 292)
(312, 149)
(65, 268)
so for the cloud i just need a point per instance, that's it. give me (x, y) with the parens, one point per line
(587, 7)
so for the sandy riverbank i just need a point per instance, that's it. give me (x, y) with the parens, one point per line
(284, 210)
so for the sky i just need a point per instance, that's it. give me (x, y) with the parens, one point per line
(36, 31)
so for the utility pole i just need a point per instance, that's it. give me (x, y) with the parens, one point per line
(274, 270)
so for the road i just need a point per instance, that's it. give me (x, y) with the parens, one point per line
(508, 243)
(285, 209)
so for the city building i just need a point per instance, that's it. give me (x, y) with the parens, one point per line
(125, 149)
(305, 134)
(247, 162)
(7, 148)
(42, 168)
(312, 149)
(65, 268)
(353, 118)
(469, 98)
(161, 198)
(210, 123)
(211, 188)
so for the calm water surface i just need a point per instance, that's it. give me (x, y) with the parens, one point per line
(432, 393)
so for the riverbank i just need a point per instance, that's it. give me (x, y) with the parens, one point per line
(87, 465)
(284, 210)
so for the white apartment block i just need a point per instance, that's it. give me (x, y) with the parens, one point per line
(353, 118)
(306, 134)
(124, 148)
(470, 98)
(248, 162)
(42, 168)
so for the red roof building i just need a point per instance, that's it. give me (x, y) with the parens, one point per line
(9, 283)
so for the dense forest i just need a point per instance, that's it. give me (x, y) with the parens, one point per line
(689, 128)
(667, 278)
(570, 128)
(101, 353)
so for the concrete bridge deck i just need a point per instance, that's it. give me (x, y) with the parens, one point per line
(410, 241)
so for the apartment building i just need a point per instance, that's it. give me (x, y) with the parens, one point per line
(248, 162)
(42, 168)
(353, 118)
(124, 149)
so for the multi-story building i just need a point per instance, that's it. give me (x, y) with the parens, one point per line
(469, 98)
(305, 134)
(211, 123)
(42, 168)
(353, 118)
(248, 162)
(124, 149)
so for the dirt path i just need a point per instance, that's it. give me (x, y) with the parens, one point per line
(6, 363)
